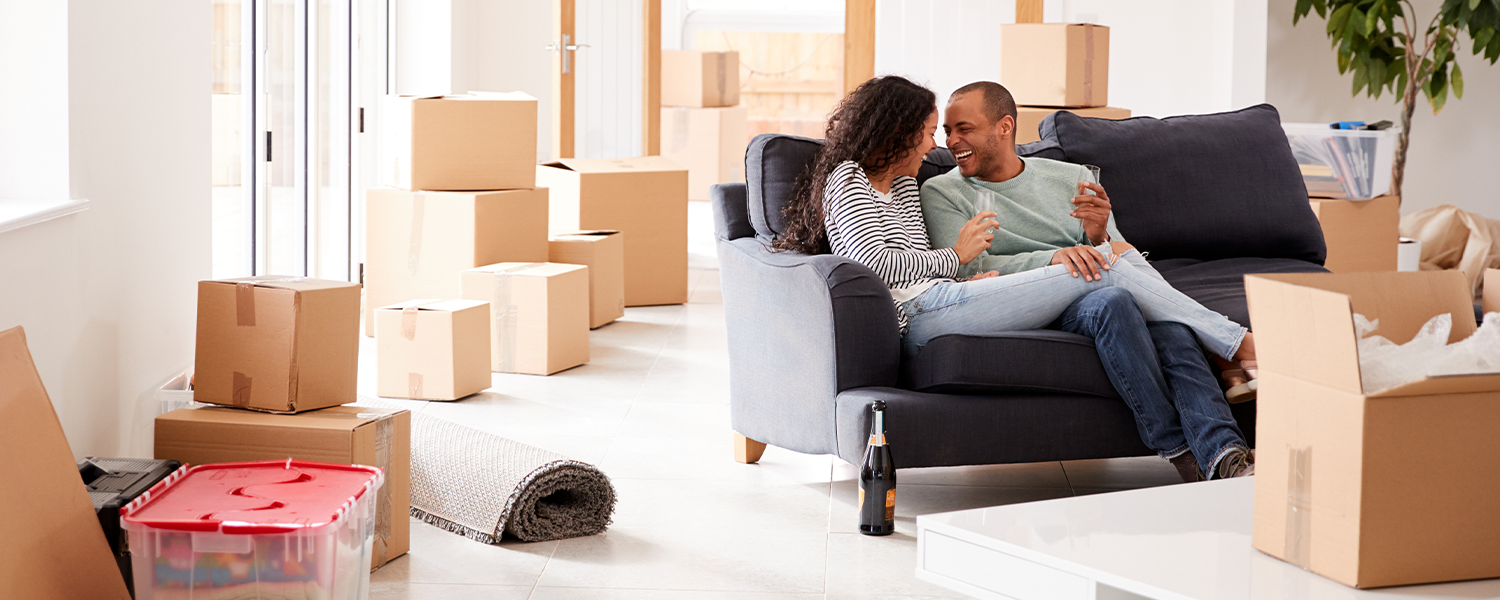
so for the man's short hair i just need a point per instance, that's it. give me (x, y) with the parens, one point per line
(997, 100)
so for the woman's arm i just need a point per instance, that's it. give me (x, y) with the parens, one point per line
(857, 232)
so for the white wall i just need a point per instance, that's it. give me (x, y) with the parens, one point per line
(107, 296)
(1451, 154)
(33, 156)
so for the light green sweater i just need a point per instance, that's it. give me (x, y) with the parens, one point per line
(1032, 211)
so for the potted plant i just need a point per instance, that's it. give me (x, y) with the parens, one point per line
(1379, 41)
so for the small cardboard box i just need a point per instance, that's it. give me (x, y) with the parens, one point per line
(433, 349)
(603, 252)
(474, 141)
(1361, 235)
(1395, 487)
(1029, 118)
(646, 198)
(53, 547)
(539, 315)
(348, 435)
(417, 243)
(710, 142)
(1055, 64)
(700, 79)
(277, 344)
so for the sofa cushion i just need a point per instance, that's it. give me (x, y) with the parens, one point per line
(1034, 362)
(1220, 284)
(1198, 186)
(731, 219)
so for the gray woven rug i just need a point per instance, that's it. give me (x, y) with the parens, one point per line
(482, 486)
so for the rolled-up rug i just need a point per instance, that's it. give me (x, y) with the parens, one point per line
(482, 486)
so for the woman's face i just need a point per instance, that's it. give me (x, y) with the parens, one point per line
(924, 143)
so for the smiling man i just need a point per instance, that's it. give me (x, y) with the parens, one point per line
(1045, 219)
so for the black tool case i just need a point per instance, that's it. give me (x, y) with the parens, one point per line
(113, 483)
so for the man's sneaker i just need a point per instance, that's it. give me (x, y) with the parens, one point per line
(1238, 462)
(1187, 467)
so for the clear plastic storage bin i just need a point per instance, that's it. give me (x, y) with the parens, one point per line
(1341, 163)
(280, 530)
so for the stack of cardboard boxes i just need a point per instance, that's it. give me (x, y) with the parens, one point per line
(703, 127)
(1056, 66)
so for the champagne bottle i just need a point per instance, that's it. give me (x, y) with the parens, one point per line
(877, 481)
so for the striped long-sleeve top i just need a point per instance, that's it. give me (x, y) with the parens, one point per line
(884, 232)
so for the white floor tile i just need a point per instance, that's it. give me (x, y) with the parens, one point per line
(556, 593)
(709, 459)
(437, 556)
(744, 560)
(400, 590)
(861, 566)
(914, 500)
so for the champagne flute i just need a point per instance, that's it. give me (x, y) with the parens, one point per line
(985, 201)
(1088, 174)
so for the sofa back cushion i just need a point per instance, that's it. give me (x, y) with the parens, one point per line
(1198, 186)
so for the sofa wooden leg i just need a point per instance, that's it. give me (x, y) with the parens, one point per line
(746, 450)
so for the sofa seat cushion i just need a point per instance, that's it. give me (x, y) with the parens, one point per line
(1220, 284)
(1024, 362)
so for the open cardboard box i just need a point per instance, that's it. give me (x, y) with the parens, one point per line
(1392, 488)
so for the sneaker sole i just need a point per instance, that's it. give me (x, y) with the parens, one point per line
(1243, 392)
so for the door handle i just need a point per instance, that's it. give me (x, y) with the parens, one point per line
(565, 48)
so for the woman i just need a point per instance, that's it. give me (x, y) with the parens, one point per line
(861, 200)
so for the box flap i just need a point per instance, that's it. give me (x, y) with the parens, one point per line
(1303, 332)
(451, 305)
(408, 304)
(597, 233)
(640, 164)
(339, 418)
(286, 282)
(1444, 384)
(529, 269)
(473, 95)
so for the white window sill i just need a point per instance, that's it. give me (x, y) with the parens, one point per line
(15, 214)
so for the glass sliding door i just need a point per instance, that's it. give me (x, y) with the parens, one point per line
(233, 194)
(329, 140)
(281, 111)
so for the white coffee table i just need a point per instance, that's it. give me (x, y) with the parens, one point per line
(1169, 543)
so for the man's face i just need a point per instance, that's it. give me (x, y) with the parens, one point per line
(976, 142)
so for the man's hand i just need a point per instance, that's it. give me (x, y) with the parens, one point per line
(984, 275)
(1082, 259)
(974, 237)
(1093, 211)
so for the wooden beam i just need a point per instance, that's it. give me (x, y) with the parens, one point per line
(859, 42)
(564, 14)
(651, 78)
(1029, 11)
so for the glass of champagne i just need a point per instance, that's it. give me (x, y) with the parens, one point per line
(1088, 174)
(985, 201)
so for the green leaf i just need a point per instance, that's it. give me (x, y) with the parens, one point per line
(1357, 23)
(1473, 5)
(1339, 19)
(1458, 81)
(1371, 18)
(1361, 77)
(1300, 11)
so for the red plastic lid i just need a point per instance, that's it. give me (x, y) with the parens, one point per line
(253, 497)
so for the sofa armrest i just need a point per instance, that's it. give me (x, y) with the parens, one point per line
(801, 329)
(731, 221)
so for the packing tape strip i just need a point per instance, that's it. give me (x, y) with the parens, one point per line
(1298, 542)
(680, 133)
(414, 252)
(240, 393)
(244, 304)
(414, 385)
(723, 79)
(505, 313)
(385, 433)
(1088, 65)
(409, 323)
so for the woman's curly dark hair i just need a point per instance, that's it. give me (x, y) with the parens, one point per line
(876, 125)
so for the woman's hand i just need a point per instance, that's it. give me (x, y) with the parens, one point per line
(984, 275)
(974, 237)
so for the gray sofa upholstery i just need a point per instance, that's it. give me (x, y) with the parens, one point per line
(813, 341)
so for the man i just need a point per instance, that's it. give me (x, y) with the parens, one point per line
(1045, 219)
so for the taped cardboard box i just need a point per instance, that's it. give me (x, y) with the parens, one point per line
(433, 349)
(1361, 235)
(377, 437)
(277, 344)
(474, 141)
(539, 315)
(418, 243)
(53, 546)
(603, 252)
(1055, 64)
(709, 142)
(1029, 119)
(1389, 488)
(700, 79)
(646, 198)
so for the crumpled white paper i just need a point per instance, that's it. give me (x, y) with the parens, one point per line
(1385, 364)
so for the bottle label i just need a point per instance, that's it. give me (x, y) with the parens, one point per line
(861, 497)
(877, 439)
(890, 504)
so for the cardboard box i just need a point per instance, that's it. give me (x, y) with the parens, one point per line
(1371, 489)
(603, 252)
(358, 435)
(1055, 64)
(1491, 302)
(710, 142)
(53, 548)
(539, 314)
(433, 349)
(418, 243)
(1361, 235)
(700, 79)
(1029, 118)
(475, 141)
(646, 198)
(277, 344)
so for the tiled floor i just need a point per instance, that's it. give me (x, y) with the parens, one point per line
(651, 409)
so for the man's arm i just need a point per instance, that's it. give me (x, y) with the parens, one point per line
(946, 215)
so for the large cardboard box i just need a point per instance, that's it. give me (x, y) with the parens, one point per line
(1395, 487)
(1029, 118)
(277, 344)
(700, 79)
(433, 349)
(475, 141)
(539, 315)
(358, 435)
(644, 197)
(1361, 235)
(417, 243)
(1055, 64)
(53, 548)
(710, 142)
(603, 252)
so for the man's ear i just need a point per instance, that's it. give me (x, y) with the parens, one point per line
(1006, 127)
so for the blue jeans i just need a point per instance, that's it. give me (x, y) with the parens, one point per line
(1160, 371)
